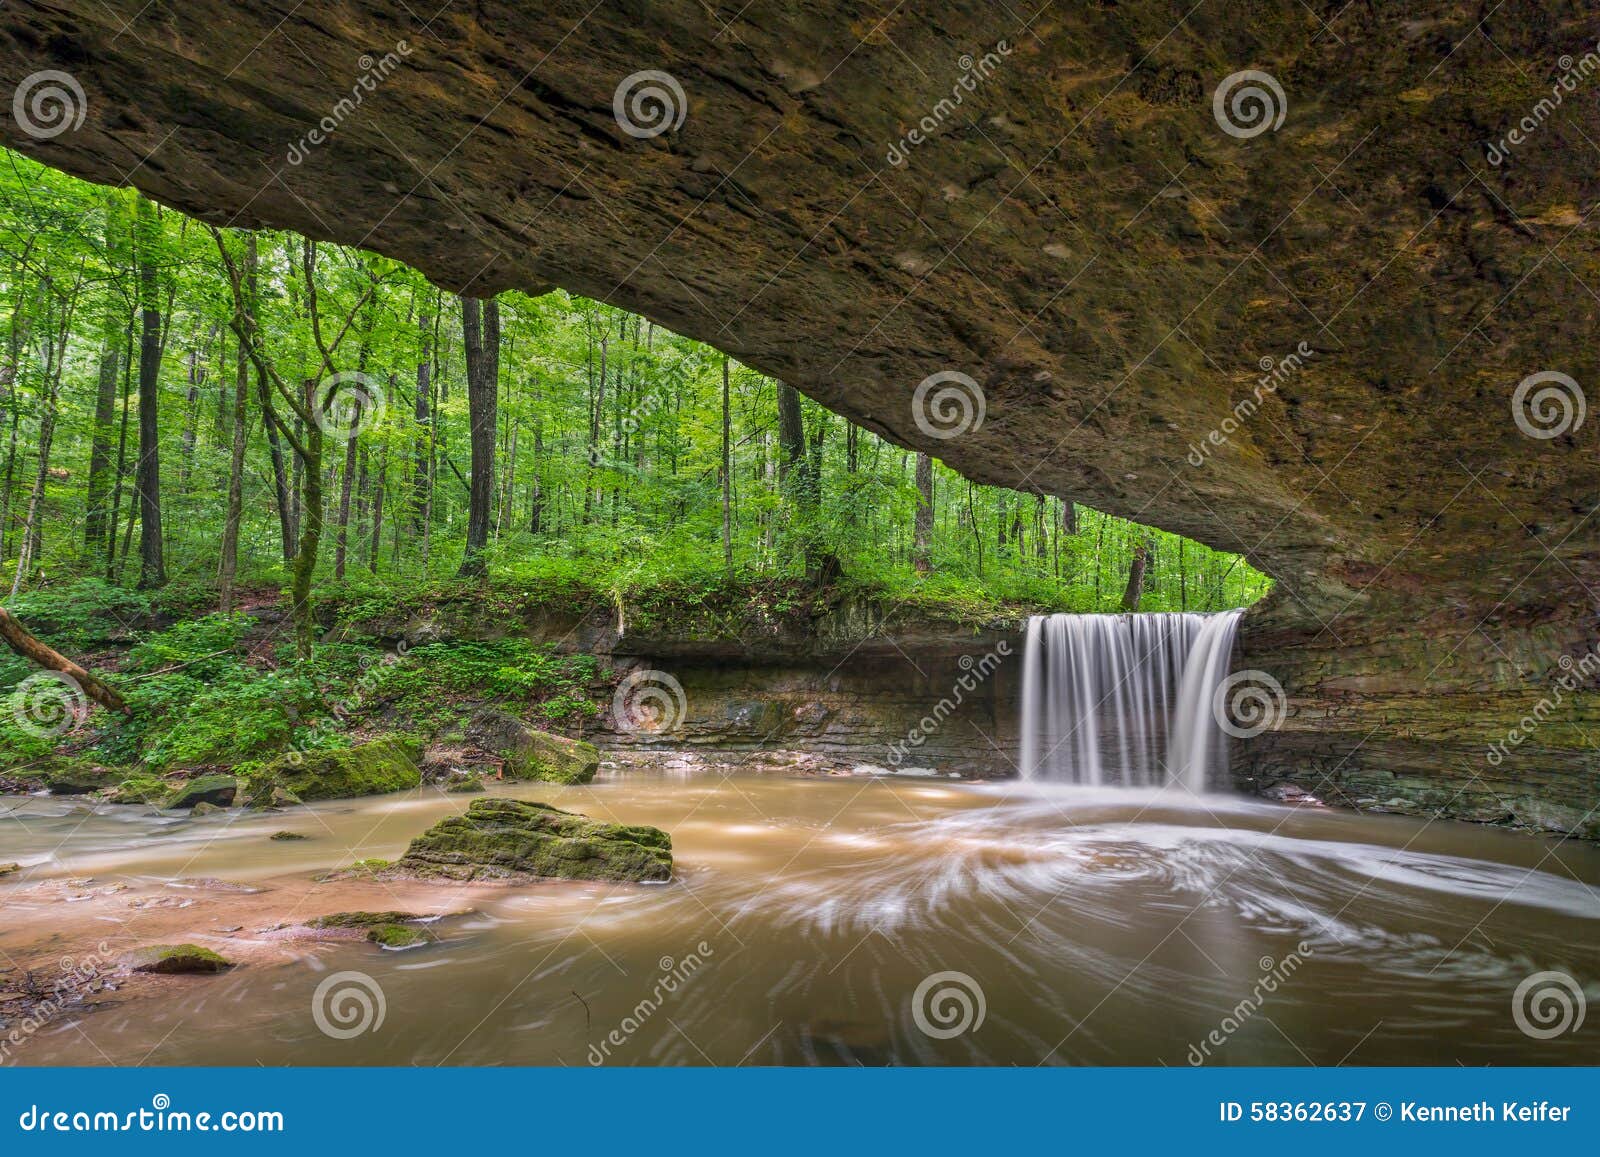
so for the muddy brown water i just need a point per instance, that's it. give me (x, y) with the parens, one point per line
(829, 921)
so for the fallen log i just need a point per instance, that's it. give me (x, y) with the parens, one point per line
(18, 638)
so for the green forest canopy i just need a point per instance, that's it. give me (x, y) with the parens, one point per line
(126, 324)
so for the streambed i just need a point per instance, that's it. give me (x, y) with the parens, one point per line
(849, 920)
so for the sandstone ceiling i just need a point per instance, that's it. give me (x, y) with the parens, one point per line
(1078, 206)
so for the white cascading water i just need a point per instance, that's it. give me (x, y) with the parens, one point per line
(1125, 699)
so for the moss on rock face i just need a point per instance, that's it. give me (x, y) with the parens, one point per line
(216, 790)
(465, 786)
(384, 765)
(386, 929)
(509, 838)
(77, 777)
(141, 789)
(175, 958)
(531, 754)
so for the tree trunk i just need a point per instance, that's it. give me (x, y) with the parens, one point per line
(422, 466)
(17, 637)
(482, 347)
(1135, 588)
(105, 417)
(922, 529)
(727, 478)
(241, 397)
(152, 566)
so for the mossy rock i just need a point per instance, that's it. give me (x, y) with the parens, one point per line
(206, 809)
(509, 838)
(386, 929)
(217, 790)
(282, 836)
(176, 958)
(384, 765)
(8, 869)
(531, 754)
(465, 786)
(78, 777)
(140, 789)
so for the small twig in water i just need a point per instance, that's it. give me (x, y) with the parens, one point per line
(585, 1003)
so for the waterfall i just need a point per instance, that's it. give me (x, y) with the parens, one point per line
(1125, 699)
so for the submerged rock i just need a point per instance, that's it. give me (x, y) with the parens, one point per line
(384, 765)
(176, 958)
(8, 869)
(386, 929)
(206, 809)
(509, 838)
(531, 754)
(286, 836)
(463, 786)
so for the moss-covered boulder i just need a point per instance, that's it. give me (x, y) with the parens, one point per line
(386, 929)
(531, 754)
(286, 836)
(384, 765)
(176, 958)
(466, 786)
(140, 789)
(216, 790)
(511, 838)
(78, 777)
